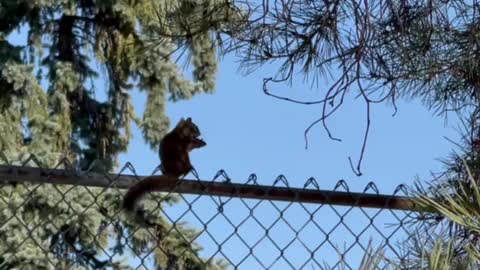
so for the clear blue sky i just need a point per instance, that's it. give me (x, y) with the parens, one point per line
(248, 132)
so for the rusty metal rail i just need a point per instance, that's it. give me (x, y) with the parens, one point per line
(226, 188)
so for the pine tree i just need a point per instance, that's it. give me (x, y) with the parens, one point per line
(50, 108)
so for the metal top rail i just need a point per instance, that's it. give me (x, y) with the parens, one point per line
(13, 173)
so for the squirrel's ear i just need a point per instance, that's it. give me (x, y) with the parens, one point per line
(189, 119)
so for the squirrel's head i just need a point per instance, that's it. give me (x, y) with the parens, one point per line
(186, 128)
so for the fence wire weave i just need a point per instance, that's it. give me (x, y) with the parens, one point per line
(238, 226)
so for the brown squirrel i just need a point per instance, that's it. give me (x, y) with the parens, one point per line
(174, 149)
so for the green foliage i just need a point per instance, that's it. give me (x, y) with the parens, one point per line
(57, 113)
(121, 37)
(451, 201)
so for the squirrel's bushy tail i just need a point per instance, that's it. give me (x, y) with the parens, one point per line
(149, 184)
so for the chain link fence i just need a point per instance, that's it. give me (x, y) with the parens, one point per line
(70, 219)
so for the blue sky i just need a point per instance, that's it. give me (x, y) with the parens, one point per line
(248, 132)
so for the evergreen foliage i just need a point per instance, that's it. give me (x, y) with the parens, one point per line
(50, 108)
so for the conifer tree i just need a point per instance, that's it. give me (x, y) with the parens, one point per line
(51, 108)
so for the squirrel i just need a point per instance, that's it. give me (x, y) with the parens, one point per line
(175, 161)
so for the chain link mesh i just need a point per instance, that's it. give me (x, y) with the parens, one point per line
(235, 231)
